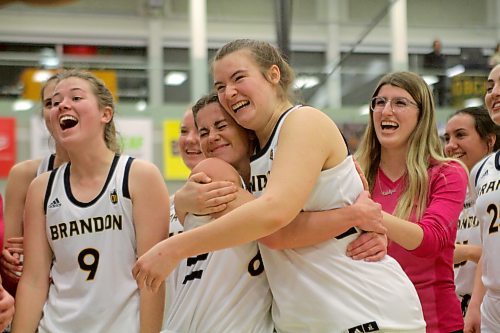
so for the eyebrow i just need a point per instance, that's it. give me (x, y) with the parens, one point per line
(239, 71)
(72, 89)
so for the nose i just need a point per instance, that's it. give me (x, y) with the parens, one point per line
(213, 136)
(450, 146)
(192, 136)
(387, 108)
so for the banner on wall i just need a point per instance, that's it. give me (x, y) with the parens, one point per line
(135, 134)
(7, 145)
(173, 166)
(41, 143)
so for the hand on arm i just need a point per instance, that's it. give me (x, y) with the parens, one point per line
(201, 196)
(16, 188)
(310, 228)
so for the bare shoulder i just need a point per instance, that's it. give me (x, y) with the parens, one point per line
(218, 170)
(25, 170)
(142, 168)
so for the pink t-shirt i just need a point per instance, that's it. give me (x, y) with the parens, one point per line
(430, 266)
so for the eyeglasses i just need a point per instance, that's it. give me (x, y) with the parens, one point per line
(397, 104)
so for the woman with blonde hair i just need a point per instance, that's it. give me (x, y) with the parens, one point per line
(421, 192)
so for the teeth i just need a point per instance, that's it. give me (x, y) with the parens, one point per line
(389, 123)
(64, 118)
(238, 105)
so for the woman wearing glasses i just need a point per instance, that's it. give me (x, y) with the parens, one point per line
(421, 192)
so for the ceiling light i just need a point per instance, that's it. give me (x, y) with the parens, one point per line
(22, 105)
(175, 78)
(41, 76)
(306, 81)
(430, 79)
(455, 70)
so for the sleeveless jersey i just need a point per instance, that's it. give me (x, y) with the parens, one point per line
(224, 291)
(46, 164)
(485, 179)
(319, 288)
(175, 228)
(94, 249)
(468, 232)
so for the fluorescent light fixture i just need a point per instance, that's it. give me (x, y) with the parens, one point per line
(22, 105)
(430, 79)
(141, 106)
(41, 76)
(175, 78)
(476, 101)
(364, 110)
(455, 70)
(306, 81)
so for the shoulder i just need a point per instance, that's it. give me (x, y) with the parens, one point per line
(447, 171)
(217, 169)
(25, 170)
(143, 170)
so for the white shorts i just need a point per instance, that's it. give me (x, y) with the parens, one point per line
(490, 314)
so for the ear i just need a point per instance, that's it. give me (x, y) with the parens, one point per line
(491, 141)
(274, 74)
(107, 114)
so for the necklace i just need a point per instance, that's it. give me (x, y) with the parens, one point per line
(389, 191)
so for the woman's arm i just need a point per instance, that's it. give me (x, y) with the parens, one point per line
(289, 185)
(18, 181)
(465, 252)
(34, 284)
(150, 202)
(437, 227)
(199, 195)
(310, 228)
(473, 316)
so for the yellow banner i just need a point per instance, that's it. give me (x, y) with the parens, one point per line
(174, 167)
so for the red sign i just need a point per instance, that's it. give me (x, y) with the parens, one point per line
(7, 145)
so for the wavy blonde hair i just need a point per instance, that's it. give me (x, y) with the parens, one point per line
(425, 147)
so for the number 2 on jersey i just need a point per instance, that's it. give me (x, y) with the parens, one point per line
(88, 259)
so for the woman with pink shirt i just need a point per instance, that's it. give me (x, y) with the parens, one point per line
(421, 192)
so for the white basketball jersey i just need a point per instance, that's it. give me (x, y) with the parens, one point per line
(171, 281)
(468, 232)
(319, 288)
(94, 248)
(225, 291)
(46, 164)
(485, 179)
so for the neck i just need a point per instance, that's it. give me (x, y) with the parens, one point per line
(265, 133)
(91, 163)
(393, 163)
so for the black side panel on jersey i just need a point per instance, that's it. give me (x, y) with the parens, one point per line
(49, 190)
(125, 189)
(480, 169)
(52, 160)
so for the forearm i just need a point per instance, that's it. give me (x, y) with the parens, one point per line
(29, 304)
(405, 233)
(464, 252)
(151, 312)
(479, 290)
(310, 228)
